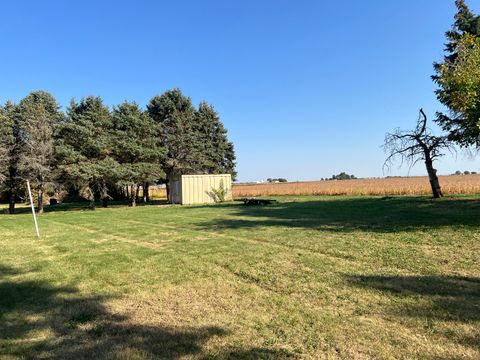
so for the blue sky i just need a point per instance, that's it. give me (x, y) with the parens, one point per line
(306, 89)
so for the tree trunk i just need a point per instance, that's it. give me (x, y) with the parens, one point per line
(137, 193)
(167, 188)
(92, 204)
(40, 199)
(133, 198)
(146, 196)
(105, 202)
(11, 202)
(432, 176)
(12, 189)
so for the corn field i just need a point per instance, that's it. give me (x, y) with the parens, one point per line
(458, 184)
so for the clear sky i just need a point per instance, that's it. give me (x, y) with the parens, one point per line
(306, 89)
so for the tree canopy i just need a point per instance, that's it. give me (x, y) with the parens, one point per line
(174, 114)
(137, 147)
(458, 79)
(38, 115)
(218, 156)
(98, 153)
(195, 139)
(85, 146)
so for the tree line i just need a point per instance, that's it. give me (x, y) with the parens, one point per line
(458, 81)
(101, 153)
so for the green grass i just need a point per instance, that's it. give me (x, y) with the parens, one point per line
(308, 277)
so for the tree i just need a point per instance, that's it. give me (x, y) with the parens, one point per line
(458, 79)
(10, 145)
(38, 113)
(415, 145)
(342, 176)
(137, 148)
(84, 150)
(177, 133)
(218, 155)
(5, 139)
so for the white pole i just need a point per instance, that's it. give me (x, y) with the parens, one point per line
(33, 210)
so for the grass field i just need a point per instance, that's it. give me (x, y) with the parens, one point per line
(418, 185)
(308, 277)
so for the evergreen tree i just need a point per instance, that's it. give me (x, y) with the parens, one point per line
(38, 113)
(458, 79)
(5, 132)
(217, 153)
(137, 148)
(10, 150)
(84, 150)
(175, 116)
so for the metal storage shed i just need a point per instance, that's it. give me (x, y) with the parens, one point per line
(198, 189)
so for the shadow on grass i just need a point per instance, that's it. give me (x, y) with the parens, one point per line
(82, 206)
(449, 299)
(353, 214)
(38, 319)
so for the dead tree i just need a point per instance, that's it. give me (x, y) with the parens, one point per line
(416, 145)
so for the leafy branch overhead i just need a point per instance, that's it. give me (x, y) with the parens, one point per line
(458, 79)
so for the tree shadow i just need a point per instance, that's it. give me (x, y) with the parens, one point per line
(449, 299)
(38, 319)
(390, 214)
(82, 206)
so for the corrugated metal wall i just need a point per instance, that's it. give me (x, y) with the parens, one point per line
(197, 189)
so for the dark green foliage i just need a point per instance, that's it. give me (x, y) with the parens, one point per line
(5, 140)
(38, 114)
(84, 149)
(343, 176)
(455, 76)
(11, 146)
(136, 145)
(175, 116)
(195, 140)
(93, 152)
(218, 156)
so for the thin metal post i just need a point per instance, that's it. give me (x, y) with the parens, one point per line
(37, 234)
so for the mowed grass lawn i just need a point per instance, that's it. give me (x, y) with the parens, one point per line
(308, 277)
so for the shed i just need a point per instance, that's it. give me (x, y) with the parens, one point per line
(199, 189)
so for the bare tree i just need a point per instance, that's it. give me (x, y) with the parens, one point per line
(412, 146)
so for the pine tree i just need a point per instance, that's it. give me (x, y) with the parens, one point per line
(455, 76)
(218, 155)
(38, 113)
(137, 148)
(10, 144)
(5, 139)
(175, 116)
(84, 150)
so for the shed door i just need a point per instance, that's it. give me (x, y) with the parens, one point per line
(175, 192)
